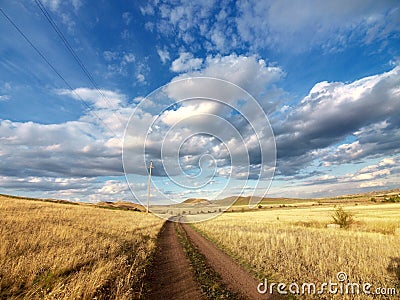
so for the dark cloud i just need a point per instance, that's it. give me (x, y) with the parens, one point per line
(333, 111)
(373, 141)
(72, 149)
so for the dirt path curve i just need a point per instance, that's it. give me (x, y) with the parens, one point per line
(171, 275)
(233, 275)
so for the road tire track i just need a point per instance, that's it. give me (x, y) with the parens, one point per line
(171, 276)
(234, 276)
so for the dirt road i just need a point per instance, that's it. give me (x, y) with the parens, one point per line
(233, 275)
(172, 276)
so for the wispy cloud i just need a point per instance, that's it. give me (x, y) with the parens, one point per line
(298, 25)
(4, 97)
(111, 100)
(186, 62)
(163, 54)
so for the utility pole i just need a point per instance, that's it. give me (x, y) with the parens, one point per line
(148, 186)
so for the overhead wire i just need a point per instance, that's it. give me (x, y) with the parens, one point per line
(55, 71)
(73, 53)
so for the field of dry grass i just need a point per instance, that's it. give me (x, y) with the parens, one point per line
(63, 251)
(293, 244)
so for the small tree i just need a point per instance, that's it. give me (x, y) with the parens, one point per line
(342, 217)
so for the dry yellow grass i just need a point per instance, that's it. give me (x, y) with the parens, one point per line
(61, 251)
(294, 245)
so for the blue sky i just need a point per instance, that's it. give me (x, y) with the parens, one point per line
(326, 74)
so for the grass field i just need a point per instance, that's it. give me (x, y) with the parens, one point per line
(293, 244)
(54, 250)
(64, 251)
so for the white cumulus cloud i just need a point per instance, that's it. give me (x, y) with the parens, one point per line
(186, 62)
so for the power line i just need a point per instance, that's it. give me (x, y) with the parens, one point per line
(73, 53)
(148, 186)
(55, 70)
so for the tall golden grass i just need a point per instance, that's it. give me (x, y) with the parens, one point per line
(294, 245)
(61, 251)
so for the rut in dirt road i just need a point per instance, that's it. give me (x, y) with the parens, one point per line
(235, 277)
(171, 275)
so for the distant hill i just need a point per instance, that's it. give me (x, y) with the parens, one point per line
(104, 204)
(240, 200)
(196, 201)
(121, 205)
(40, 199)
(236, 200)
(379, 195)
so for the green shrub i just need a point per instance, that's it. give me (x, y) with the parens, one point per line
(342, 218)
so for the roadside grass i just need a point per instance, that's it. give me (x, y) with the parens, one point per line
(63, 251)
(293, 245)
